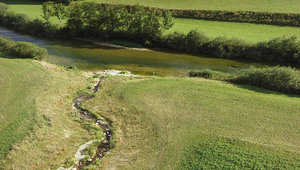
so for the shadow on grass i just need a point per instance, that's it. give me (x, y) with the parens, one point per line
(264, 91)
(2, 55)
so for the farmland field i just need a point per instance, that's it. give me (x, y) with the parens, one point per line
(245, 31)
(291, 6)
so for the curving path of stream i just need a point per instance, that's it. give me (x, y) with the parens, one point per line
(85, 115)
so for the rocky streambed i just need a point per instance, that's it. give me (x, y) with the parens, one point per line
(104, 146)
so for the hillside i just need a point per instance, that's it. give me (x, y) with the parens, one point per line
(162, 122)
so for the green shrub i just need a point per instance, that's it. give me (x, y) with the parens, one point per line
(281, 79)
(210, 74)
(73, 67)
(22, 49)
(3, 8)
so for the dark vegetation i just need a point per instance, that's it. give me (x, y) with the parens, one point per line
(282, 79)
(22, 49)
(274, 18)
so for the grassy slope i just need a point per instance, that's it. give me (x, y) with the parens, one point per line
(21, 82)
(43, 95)
(159, 119)
(291, 6)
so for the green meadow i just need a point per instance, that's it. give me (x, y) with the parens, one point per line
(246, 31)
(192, 123)
(291, 6)
(21, 82)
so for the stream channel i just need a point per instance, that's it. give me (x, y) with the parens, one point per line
(92, 57)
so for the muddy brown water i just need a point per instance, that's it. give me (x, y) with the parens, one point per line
(161, 62)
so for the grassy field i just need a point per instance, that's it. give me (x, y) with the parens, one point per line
(245, 31)
(291, 6)
(36, 106)
(179, 123)
(21, 82)
(32, 9)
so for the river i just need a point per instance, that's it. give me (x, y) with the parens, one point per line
(162, 62)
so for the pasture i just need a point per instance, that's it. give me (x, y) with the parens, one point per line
(234, 5)
(246, 31)
(179, 123)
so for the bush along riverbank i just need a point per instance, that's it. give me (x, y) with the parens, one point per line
(22, 49)
(90, 19)
(281, 79)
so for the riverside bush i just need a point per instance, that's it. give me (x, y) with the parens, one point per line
(282, 49)
(22, 49)
(281, 79)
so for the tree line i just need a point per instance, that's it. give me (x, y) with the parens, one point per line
(90, 19)
(135, 23)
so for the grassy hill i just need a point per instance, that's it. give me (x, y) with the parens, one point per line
(182, 123)
(37, 129)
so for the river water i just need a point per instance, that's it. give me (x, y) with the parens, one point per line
(161, 62)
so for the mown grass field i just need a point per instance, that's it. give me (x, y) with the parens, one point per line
(245, 31)
(236, 5)
(21, 82)
(36, 106)
(181, 123)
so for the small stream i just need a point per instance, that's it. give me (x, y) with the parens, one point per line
(85, 115)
